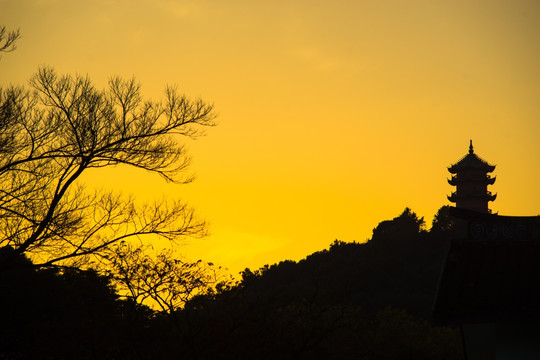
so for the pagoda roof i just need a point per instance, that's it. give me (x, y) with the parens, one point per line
(486, 180)
(471, 161)
(486, 196)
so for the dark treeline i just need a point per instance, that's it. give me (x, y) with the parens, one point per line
(353, 301)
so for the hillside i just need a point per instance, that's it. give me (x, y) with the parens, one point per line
(370, 301)
(351, 301)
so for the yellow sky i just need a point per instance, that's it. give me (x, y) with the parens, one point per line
(333, 115)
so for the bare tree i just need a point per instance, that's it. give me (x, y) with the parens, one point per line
(8, 39)
(50, 135)
(161, 281)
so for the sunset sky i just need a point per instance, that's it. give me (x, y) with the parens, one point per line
(333, 115)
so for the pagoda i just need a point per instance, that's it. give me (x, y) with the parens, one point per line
(470, 176)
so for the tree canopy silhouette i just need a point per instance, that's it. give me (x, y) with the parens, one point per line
(62, 127)
(68, 314)
(162, 281)
(403, 227)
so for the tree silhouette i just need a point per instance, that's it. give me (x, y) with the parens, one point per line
(161, 281)
(65, 313)
(8, 39)
(405, 226)
(443, 223)
(61, 128)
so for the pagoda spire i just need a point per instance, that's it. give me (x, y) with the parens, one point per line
(470, 177)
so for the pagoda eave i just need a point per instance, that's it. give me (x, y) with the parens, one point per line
(454, 169)
(454, 197)
(454, 181)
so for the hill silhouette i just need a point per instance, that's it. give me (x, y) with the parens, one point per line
(352, 301)
(371, 301)
(69, 313)
(399, 266)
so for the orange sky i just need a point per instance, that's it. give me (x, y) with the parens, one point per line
(333, 115)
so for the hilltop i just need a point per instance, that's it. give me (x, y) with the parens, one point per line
(369, 300)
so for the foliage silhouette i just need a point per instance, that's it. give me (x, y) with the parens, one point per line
(161, 280)
(50, 313)
(369, 301)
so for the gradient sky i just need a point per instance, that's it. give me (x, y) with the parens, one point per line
(333, 115)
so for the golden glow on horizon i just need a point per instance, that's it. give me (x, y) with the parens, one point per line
(333, 116)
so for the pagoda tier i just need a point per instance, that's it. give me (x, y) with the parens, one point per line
(470, 176)
(488, 180)
(488, 196)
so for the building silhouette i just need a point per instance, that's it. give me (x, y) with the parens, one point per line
(470, 177)
(489, 281)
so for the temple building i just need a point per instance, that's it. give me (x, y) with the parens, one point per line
(470, 176)
(489, 280)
